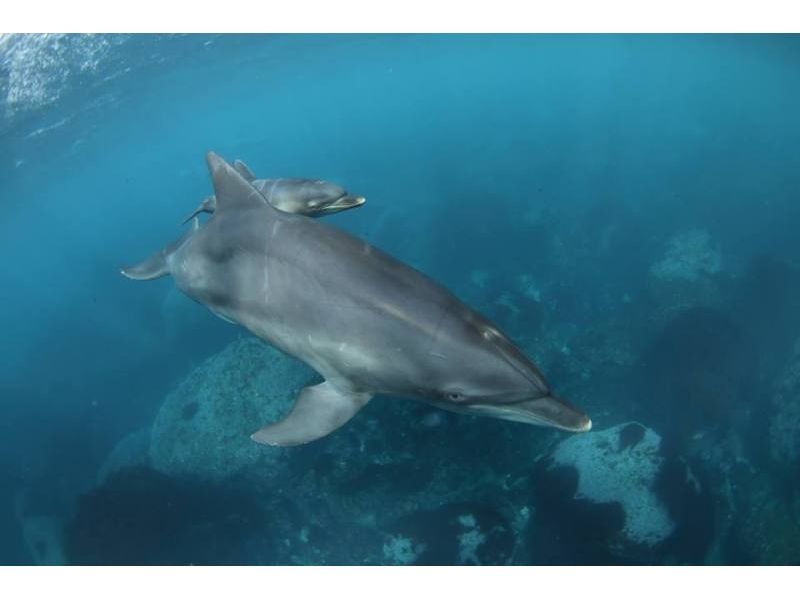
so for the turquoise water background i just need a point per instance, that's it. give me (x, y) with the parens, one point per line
(574, 161)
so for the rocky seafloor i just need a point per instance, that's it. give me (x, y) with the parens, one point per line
(693, 385)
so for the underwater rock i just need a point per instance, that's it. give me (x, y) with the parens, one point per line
(690, 255)
(133, 449)
(530, 287)
(609, 471)
(142, 517)
(765, 523)
(699, 374)
(597, 362)
(631, 435)
(399, 550)
(599, 491)
(686, 276)
(766, 296)
(373, 492)
(784, 426)
(338, 501)
(607, 345)
(43, 537)
(203, 427)
(43, 534)
(685, 486)
(462, 533)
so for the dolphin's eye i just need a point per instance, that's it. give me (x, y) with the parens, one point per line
(454, 395)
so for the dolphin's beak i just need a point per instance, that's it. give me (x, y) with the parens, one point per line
(544, 411)
(345, 202)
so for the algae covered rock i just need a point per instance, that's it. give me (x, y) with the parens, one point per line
(689, 256)
(143, 517)
(203, 427)
(42, 533)
(133, 450)
(621, 465)
(460, 533)
(686, 275)
(765, 522)
(785, 420)
(598, 492)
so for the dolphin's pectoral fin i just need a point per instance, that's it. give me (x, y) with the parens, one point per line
(153, 267)
(244, 170)
(157, 265)
(319, 410)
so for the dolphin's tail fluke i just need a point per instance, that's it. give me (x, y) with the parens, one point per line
(157, 265)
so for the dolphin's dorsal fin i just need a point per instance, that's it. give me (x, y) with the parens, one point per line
(157, 264)
(231, 189)
(319, 410)
(244, 170)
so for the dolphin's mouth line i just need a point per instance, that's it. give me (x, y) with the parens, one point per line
(348, 200)
(525, 416)
(345, 202)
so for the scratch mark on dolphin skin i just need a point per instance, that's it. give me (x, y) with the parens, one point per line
(272, 189)
(436, 332)
(490, 333)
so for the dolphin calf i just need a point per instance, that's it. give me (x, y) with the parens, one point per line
(311, 197)
(366, 322)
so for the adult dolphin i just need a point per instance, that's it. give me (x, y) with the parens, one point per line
(366, 322)
(310, 197)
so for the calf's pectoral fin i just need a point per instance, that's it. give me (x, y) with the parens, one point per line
(207, 205)
(319, 410)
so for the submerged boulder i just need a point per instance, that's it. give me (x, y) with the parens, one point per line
(43, 533)
(764, 522)
(785, 419)
(699, 373)
(142, 517)
(689, 256)
(132, 450)
(203, 427)
(620, 465)
(599, 491)
(462, 533)
(686, 276)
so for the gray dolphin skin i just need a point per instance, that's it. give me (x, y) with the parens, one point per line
(311, 197)
(367, 323)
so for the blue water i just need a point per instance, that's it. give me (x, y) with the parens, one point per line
(624, 207)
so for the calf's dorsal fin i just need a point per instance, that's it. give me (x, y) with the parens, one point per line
(244, 170)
